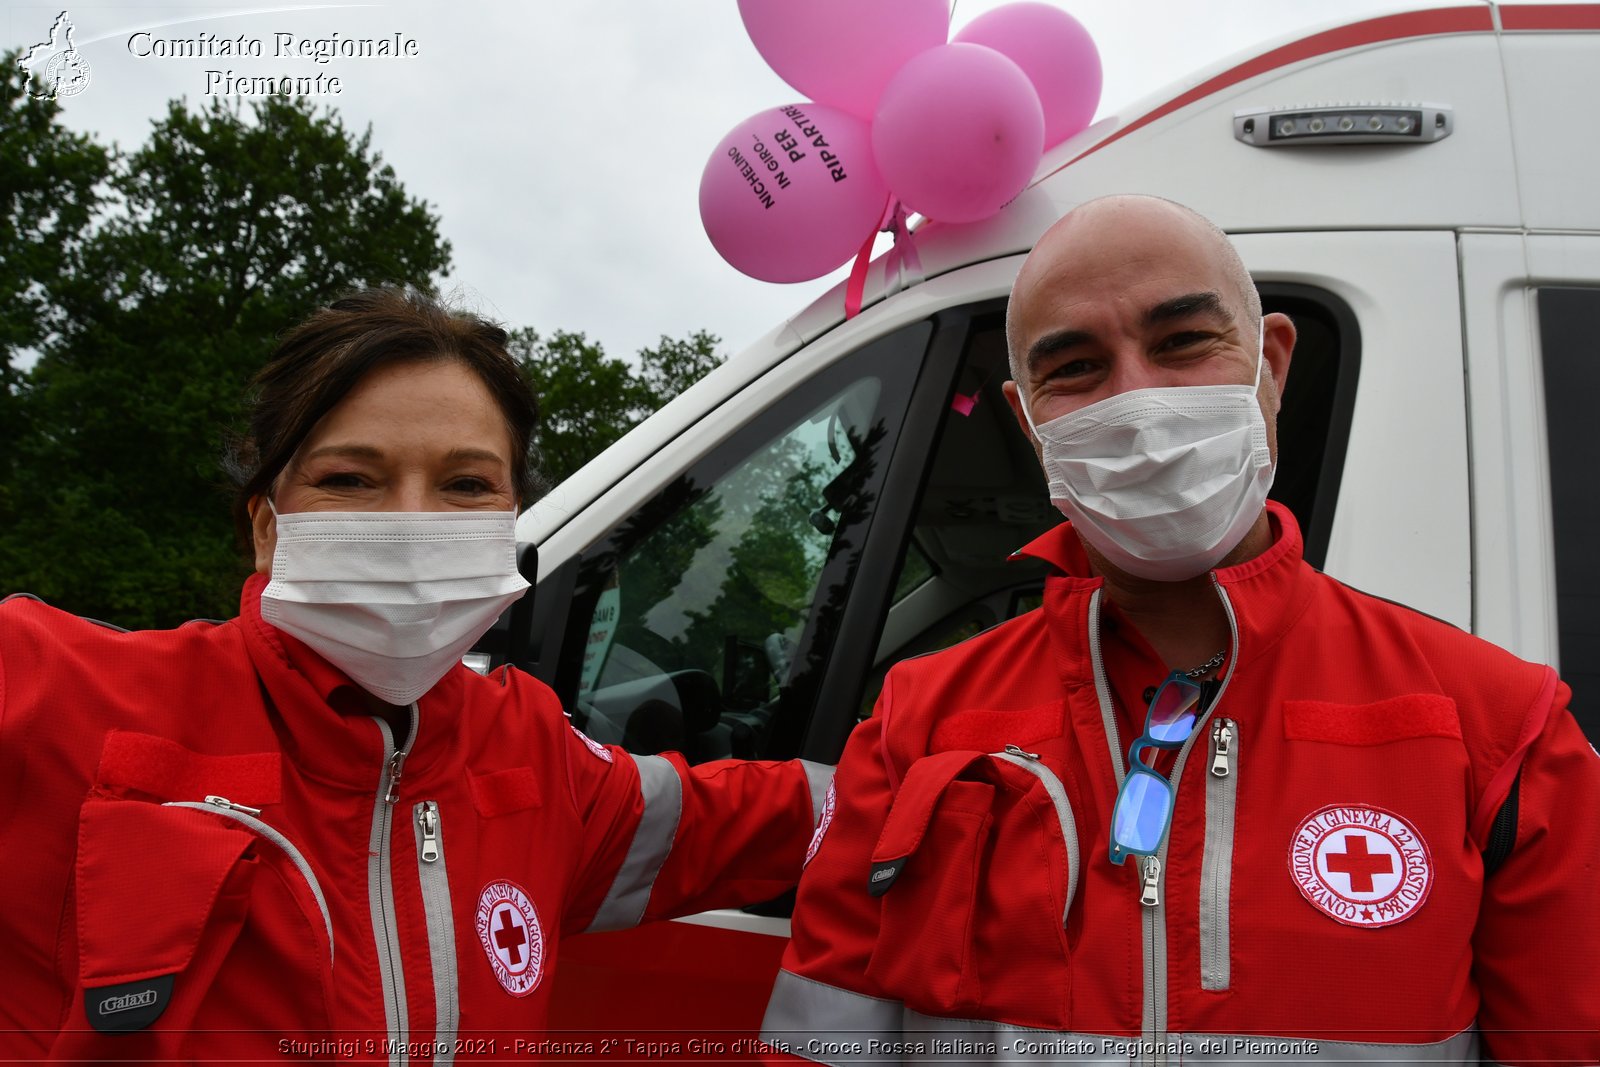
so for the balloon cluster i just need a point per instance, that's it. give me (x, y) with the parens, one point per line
(952, 131)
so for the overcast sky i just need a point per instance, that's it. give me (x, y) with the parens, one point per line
(561, 141)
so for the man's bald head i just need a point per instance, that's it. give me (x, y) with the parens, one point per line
(1132, 226)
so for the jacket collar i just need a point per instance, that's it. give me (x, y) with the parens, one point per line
(1267, 593)
(329, 730)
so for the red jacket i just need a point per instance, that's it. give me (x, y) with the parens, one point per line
(339, 901)
(1322, 892)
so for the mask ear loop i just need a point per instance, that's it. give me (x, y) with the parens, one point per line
(1261, 351)
(1026, 414)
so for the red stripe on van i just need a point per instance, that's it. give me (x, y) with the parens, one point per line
(1372, 31)
(1551, 17)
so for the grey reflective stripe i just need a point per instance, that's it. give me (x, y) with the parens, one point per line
(1102, 691)
(1216, 866)
(830, 1025)
(380, 900)
(825, 1024)
(652, 840)
(1069, 826)
(440, 919)
(818, 776)
(271, 834)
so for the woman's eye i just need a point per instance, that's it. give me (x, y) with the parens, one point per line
(469, 485)
(341, 480)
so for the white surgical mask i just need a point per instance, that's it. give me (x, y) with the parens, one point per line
(392, 598)
(1163, 482)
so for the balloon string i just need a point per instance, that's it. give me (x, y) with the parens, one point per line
(905, 250)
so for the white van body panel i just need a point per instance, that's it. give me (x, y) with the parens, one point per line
(1554, 82)
(1402, 287)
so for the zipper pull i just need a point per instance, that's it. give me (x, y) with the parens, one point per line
(1151, 895)
(394, 777)
(428, 817)
(1013, 750)
(1222, 733)
(224, 802)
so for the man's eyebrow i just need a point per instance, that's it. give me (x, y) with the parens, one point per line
(1180, 307)
(1053, 343)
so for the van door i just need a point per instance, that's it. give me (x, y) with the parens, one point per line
(717, 615)
(1533, 370)
(1401, 525)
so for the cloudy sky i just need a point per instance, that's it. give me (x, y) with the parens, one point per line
(562, 141)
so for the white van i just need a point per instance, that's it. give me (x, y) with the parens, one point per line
(1420, 192)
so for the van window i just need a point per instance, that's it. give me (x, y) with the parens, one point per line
(985, 495)
(703, 623)
(1569, 323)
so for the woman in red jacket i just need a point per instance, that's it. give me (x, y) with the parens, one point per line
(310, 830)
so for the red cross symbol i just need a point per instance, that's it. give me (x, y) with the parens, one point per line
(510, 935)
(1358, 864)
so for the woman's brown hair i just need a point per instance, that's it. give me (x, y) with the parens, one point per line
(319, 361)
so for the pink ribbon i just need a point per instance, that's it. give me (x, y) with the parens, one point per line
(902, 257)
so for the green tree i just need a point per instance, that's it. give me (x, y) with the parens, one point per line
(50, 190)
(588, 400)
(226, 227)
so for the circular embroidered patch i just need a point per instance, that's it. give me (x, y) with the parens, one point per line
(508, 927)
(822, 824)
(593, 746)
(1360, 865)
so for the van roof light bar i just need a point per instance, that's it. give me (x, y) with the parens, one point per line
(1344, 124)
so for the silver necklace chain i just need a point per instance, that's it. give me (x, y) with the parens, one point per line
(1208, 666)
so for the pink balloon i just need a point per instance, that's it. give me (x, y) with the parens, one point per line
(843, 52)
(1055, 52)
(792, 193)
(958, 132)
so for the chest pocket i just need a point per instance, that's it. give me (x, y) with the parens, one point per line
(977, 860)
(195, 929)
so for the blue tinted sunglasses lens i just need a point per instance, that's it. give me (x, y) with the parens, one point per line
(1172, 711)
(1141, 814)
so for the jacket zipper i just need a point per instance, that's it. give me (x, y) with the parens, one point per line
(380, 890)
(440, 921)
(1029, 761)
(1154, 1023)
(1216, 869)
(248, 816)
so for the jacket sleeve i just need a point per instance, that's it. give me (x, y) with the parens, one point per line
(1538, 933)
(824, 1003)
(662, 838)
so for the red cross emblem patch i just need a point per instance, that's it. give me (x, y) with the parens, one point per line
(509, 928)
(1360, 865)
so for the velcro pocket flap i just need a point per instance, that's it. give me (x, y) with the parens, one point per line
(1400, 718)
(503, 792)
(152, 881)
(141, 764)
(908, 819)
